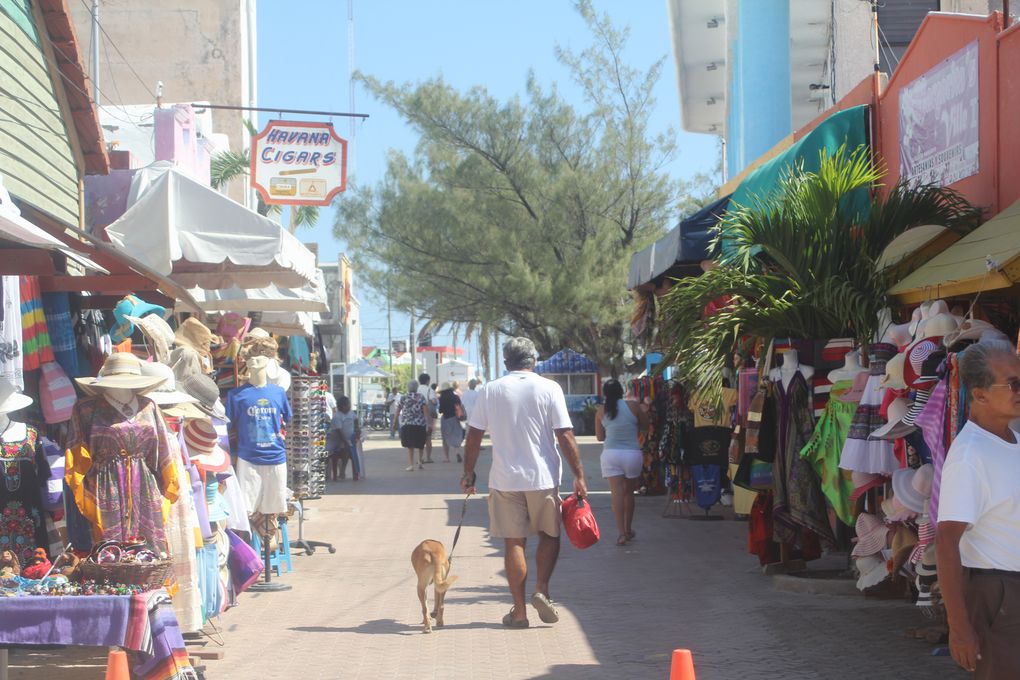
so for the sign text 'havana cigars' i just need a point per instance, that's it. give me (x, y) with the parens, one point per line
(298, 163)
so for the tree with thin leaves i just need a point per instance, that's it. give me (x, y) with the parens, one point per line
(801, 262)
(228, 165)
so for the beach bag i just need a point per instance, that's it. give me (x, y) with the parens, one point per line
(245, 565)
(753, 474)
(56, 394)
(579, 522)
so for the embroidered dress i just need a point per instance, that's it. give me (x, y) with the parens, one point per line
(120, 470)
(861, 454)
(798, 505)
(21, 521)
(824, 448)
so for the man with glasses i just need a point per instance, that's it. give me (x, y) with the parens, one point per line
(978, 540)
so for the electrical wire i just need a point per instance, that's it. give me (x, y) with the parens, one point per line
(890, 54)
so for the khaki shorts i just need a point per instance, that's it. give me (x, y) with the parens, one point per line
(519, 514)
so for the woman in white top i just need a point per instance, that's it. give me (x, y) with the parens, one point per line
(617, 424)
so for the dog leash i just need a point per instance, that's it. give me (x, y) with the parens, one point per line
(456, 536)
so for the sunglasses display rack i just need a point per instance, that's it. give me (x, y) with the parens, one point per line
(306, 450)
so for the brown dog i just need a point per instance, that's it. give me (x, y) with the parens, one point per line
(431, 565)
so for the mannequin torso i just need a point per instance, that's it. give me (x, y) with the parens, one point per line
(125, 401)
(851, 368)
(791, 367)
(12, 431)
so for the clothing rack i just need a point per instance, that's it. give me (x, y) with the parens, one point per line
(306, 450)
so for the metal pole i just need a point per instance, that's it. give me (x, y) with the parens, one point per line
(413, 348)
(389, 334)
(95, 51)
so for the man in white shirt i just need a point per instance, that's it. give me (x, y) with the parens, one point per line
(978, 539)
(526, 416)
(469, 398)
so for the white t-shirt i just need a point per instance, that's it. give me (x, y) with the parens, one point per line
(979, 486)
(468, 400)
(521, 412)
(431, 400)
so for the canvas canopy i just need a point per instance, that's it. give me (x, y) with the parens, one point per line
(308, 298)
(567, 361)
(201, 239)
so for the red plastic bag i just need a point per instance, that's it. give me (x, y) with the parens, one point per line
(579, 522)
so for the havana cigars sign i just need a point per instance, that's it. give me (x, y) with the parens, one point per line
(298, 163)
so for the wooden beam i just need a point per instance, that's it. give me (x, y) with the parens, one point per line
(26, 262)
(110, 301)
(110, 283)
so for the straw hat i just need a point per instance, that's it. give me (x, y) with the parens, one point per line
(912, 488)
(972, 329)
(204, 446)
(120, 371)
(194, 334)
(939, 325)
(166, 393)
(871, 535)
(206, 394)
(864, 482)
(893, 378)
(131, 305)
(872, 570)
(157, 331)
(903, 544)
(10, 398)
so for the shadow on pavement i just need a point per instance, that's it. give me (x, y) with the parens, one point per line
(392, 627)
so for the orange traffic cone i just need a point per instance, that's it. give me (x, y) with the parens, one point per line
(682, 667)
(117, 665)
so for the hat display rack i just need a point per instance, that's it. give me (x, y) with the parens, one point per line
(306, 450)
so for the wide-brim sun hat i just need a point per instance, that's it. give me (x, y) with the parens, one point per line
(912, 488)
(166, 393)
(894, 511)
(10, 398)
(972, 329)
(157, 331)
(893, 378)
(872, 570)
(871, 535)
(204, 448)
(206, 393)
(864, 482)
(895, 412)
(903, 544)
(120, 371)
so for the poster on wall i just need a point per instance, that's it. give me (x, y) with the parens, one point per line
(298, 163)
(939, 122)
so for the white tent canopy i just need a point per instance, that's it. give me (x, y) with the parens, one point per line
(289, 323)
(309, 298)
(200, 238)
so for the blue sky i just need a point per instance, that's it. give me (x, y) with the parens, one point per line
(303, 64)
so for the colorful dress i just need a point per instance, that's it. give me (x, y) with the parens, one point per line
(120, 470)
(22, 528)
(861, 454)
(798, 504)
(824, 448)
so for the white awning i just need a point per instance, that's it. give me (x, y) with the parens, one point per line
(201, 239)
(14, 227)
(289, 323)
(309, 298)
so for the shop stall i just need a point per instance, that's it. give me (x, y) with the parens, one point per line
(579, 377)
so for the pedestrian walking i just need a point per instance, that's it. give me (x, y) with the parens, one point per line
(469, 398)
(451, 412)
(346, 431)
(978, 537)
(526, 416)
(413, 415)
(617, 423)
(432, 402)
(392, 402)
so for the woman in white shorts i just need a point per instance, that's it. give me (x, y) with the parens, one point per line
(617, 423)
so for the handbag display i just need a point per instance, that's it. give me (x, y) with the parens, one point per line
(579, 522)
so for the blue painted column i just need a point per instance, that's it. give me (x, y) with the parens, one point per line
(759, 112)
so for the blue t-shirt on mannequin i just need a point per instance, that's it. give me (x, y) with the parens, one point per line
(258, 414)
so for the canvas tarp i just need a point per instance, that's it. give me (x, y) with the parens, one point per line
(308, 298)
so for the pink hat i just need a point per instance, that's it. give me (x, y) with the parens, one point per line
(895, 512)
(864, 482)
(913, 369)
(871, 535)
(204, 447)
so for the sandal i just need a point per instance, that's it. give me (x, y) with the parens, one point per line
(509, 621)
(546, 611)
(622, 540)
(631, 535)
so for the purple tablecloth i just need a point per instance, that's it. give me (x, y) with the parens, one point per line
(143, 623)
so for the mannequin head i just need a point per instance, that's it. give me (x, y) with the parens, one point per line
(257, 371)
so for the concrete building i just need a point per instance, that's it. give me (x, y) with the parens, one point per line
(201, 50)
(340, 327)
(753, 71)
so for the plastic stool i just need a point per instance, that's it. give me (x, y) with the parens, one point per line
(279, 559)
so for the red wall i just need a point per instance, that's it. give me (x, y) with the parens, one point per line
(1009, 117)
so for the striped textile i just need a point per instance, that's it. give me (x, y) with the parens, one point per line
(36, 346)
(152, 630)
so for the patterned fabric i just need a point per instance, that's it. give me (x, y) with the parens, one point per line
(22, 528)
(57, 308)
(824, 448)
(11, 356)
(152, 630)
(861, 454)
(798, 504)
(932, 422)
(410, 410)
(37, 348)
(120, 470)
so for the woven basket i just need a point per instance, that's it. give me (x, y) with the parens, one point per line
(149, 575)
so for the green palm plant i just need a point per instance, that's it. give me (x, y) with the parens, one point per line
(228, 165)
(802, 262)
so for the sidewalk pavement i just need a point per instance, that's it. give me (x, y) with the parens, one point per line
(354, 615)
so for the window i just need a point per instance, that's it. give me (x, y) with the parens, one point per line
(574, 383)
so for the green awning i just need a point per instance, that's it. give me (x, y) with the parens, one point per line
(844, 127)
